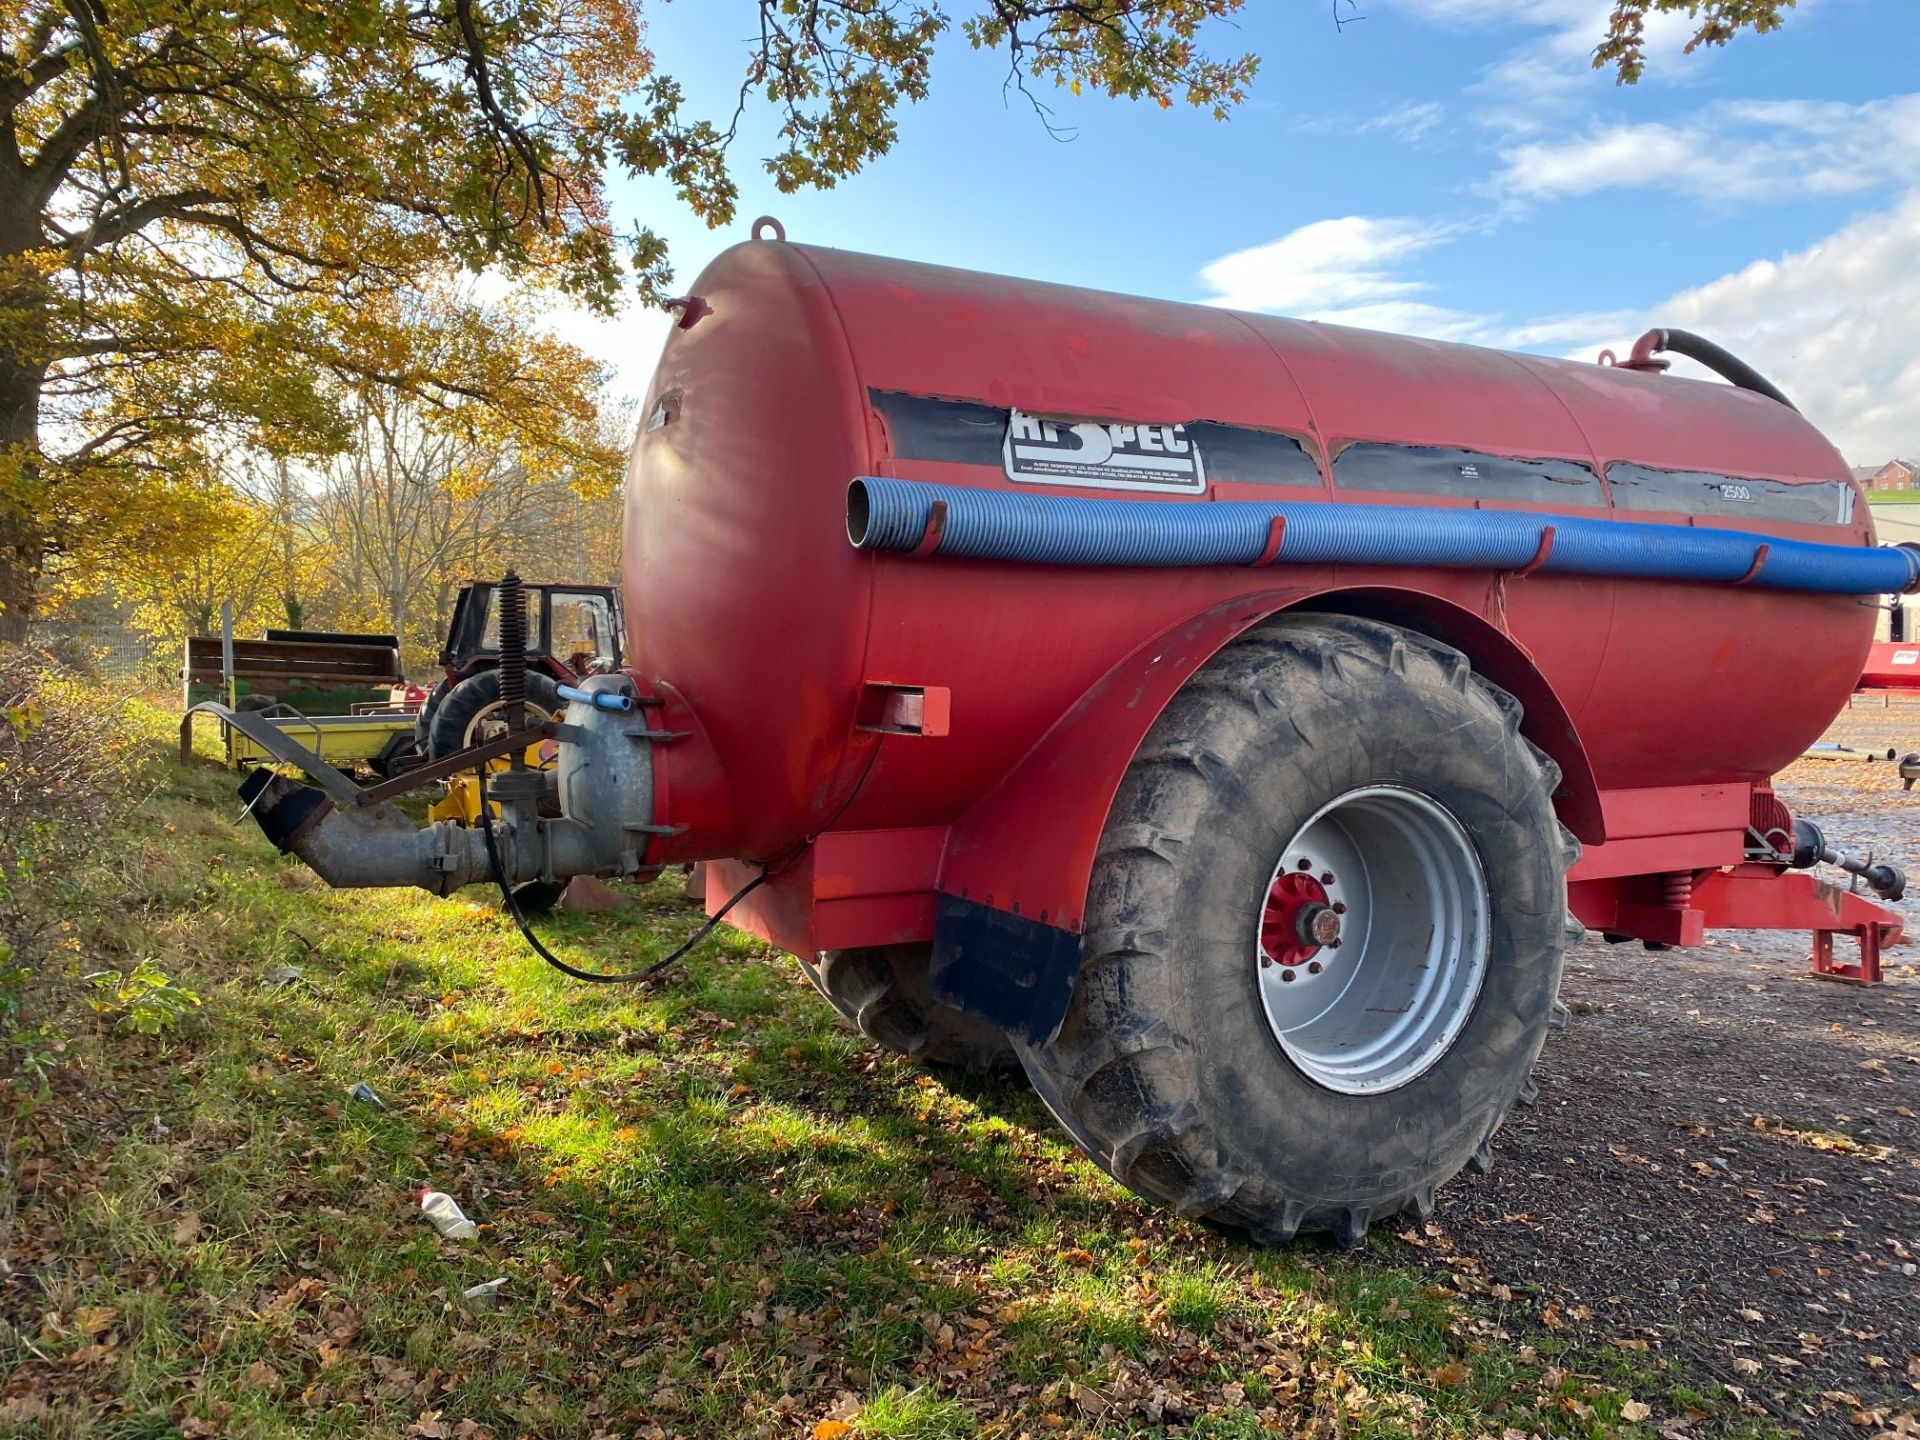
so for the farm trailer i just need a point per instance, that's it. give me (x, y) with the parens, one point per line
(293, 660)
(1227, 719)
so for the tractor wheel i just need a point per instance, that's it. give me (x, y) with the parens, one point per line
(475, 697)
(423, 722)
(1323, 936)
(883, 991)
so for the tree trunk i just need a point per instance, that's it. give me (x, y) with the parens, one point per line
(23, 371)
(23, 538)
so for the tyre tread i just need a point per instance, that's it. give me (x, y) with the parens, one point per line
(1112, 1057)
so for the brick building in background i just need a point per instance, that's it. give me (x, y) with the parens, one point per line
(1894, 475)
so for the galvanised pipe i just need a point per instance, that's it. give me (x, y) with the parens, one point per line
(898, 516)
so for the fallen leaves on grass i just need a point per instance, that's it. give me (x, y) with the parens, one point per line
(864, 1246)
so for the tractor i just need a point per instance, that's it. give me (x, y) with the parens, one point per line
(573, 632)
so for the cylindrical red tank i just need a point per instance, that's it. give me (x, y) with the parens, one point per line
(801, 368)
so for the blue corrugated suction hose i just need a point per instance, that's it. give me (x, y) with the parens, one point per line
(898, 515)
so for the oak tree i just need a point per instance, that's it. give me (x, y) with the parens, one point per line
(1714, 22)
(217, 216)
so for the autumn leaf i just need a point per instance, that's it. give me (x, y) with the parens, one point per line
(94, 1319)
(1634, 1411)
(832, 1430)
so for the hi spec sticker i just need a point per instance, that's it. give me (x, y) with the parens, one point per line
(1103, 455)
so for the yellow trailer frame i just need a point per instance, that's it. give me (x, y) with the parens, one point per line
(340, 740)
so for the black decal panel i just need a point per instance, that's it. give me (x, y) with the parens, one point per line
(1464, 474)
(1016, 972)
(1239, 455)
(956, 431)
(1694, 492)
(1093, 454)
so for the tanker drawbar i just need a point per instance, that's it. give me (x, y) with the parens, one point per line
(1229, 721)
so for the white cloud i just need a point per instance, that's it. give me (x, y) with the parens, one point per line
(1357, 270)
(1410, 121)
(1835, 325)
(1324, 267)
(1738, 151)
(1535, 83)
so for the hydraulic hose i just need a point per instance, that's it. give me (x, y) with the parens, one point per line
(1722, 362)
(911, 516)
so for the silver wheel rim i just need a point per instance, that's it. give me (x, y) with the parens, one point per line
(1371, 946)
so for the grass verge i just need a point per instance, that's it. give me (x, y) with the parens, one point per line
(716, 1213)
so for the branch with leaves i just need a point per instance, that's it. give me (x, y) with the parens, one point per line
(215, 214)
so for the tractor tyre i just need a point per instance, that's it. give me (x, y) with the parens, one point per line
(423, 722)
(883, 990)
(473, 696)
(1323, 936)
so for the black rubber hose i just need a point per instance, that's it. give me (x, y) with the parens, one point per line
(1722, 362)
(623, 977)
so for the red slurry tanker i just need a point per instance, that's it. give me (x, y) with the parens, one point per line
(1230, 720)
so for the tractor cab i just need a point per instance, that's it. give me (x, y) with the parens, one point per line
(573, 631)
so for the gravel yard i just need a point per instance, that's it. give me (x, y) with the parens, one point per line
(1724, 1163)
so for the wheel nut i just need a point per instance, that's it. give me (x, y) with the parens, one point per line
(1306, 864)
(1314, 967)
(1339, 907)
(1326, 877)
(1286, 977)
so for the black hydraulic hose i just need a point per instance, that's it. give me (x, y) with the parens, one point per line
(624, 977)
(1722, 362)
(630, 977)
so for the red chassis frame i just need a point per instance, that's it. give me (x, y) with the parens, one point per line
(878, 886)
(1679, 908)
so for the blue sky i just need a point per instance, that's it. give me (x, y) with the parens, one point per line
(1444, 167)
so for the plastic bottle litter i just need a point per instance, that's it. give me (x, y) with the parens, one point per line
(484, 1295)
(447, 1216)
(363, 1092)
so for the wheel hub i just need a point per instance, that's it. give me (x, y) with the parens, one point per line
(1372, 939)
(1319, 925)
(1295, 901)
